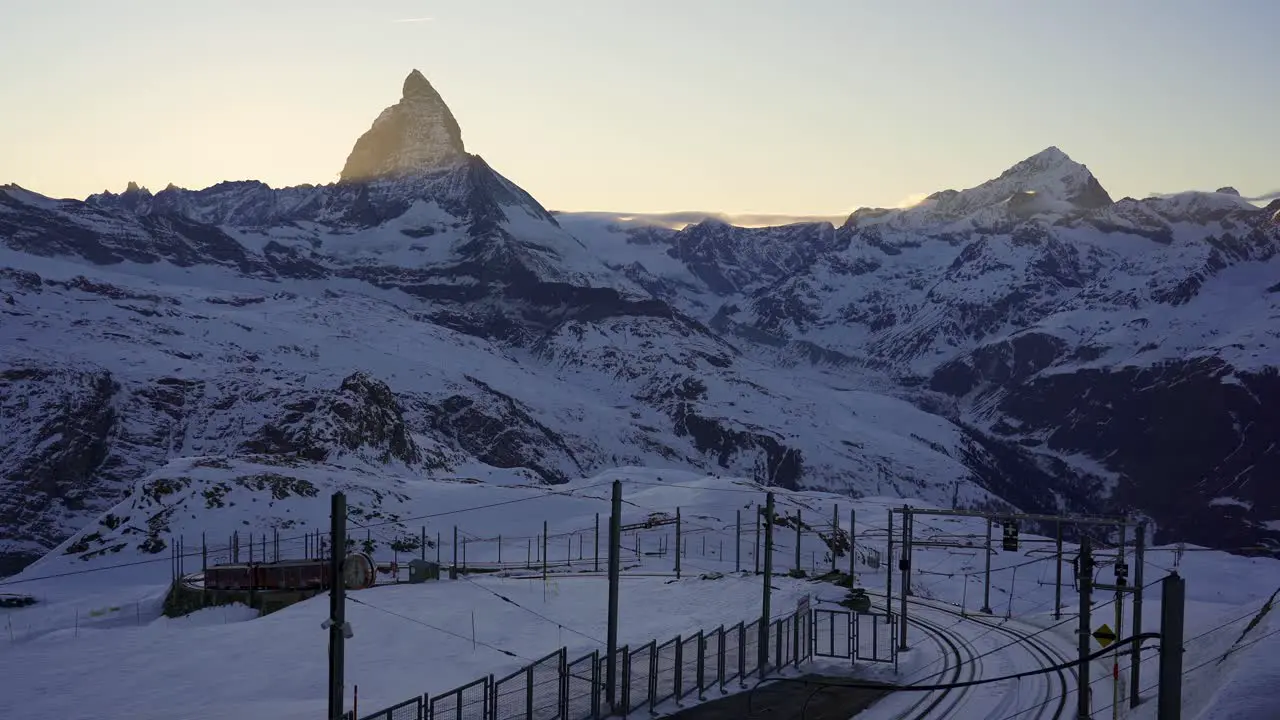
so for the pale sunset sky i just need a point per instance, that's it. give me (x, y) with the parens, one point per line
(739, 106)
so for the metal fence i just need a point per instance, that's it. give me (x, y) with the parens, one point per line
(553, 688)
(854, 636)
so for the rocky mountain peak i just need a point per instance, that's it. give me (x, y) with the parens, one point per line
(1053, 173)
(1047, 182)
(418, 134)
(416, 85)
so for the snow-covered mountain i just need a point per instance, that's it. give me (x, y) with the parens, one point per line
(1027, 342)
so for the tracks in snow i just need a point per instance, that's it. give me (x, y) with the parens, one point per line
(1021, 650)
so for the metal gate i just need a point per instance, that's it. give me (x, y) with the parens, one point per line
(855, 636)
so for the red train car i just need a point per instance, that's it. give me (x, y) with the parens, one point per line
(288, 575)
(283, 575)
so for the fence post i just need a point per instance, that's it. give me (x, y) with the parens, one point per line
(653, 674)
(720, 658)
(564, 683)
(700, 667)
(528, 695)
(626, 680)
(679, 683)
(595, 684)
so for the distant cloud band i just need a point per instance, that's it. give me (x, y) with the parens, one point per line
(680, 219)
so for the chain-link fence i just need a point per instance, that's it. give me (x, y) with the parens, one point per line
(646, 676)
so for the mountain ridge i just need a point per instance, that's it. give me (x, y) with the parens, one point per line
(967, 351)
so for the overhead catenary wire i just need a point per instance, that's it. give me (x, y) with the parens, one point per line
(1023, 638)
(533, 612)
(393, 613)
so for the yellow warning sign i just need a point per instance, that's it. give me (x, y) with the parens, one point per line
(1104, 635)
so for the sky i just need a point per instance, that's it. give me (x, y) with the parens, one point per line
(807, 107)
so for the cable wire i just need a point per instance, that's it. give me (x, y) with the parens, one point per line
(295, 538)
(531, 611)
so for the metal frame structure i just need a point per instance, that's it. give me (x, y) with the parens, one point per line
(1121, 587)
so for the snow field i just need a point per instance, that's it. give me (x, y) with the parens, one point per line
(411, 639)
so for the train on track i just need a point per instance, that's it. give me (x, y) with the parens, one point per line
(359, 571)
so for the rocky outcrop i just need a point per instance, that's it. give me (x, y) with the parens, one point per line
(362, 418)
(58, 428)
(499, 430)
(417, 134)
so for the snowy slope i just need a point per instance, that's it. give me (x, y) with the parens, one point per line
(417, 638)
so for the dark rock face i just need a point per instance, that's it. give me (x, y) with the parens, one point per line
(1194, 441)
(58, 428)
(1000, 364)
(500, 431)
(777, 464)
(363, 417)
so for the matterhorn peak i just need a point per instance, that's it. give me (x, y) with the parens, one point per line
(418, 134)
(416, 85)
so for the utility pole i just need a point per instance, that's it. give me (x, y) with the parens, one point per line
(763, 645)
(1135, 664)
(337, 622)
(888, 575)
(615, 564)
(677, 543)
(756, 554)
(597, 542)
(1115, 659)
(835, 528)
(853, 544)
(799, 567)
(986, 583)
(455, 549)
(544, 553)
(1172, 595)
(737, 545)
(908, 546)
(905, 565)
(1084, 631)
(1057, 583)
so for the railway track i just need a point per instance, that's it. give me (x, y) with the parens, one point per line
(962, 662)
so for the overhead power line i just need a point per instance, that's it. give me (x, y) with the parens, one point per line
(295, 538)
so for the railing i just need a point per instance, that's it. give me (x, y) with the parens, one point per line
(555, 689)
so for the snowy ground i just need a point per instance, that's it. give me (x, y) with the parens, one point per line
(96, 647)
